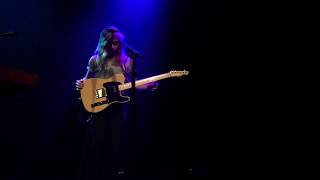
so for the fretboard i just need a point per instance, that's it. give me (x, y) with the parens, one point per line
(144, 81)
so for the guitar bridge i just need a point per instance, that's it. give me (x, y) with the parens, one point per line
(99, 103)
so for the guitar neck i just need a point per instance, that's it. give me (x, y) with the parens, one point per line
(141, 82)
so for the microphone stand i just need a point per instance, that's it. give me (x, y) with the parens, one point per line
(133, 108)
(133, 54)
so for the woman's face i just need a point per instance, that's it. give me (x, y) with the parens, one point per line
(115, 44)
(112, 46)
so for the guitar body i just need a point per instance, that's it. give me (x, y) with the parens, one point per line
(97, 94)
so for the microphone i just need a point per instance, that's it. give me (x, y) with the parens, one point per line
(132, 52)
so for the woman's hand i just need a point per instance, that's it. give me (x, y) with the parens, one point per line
(153, 86)
(79, 84)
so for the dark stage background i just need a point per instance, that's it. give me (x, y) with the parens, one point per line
(235, 116)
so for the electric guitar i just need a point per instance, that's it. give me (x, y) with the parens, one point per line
(97, 94)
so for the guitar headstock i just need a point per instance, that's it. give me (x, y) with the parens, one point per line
(178, 73)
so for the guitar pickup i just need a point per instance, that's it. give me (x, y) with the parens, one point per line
(100, 93)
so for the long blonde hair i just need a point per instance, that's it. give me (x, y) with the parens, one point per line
(106, 34)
